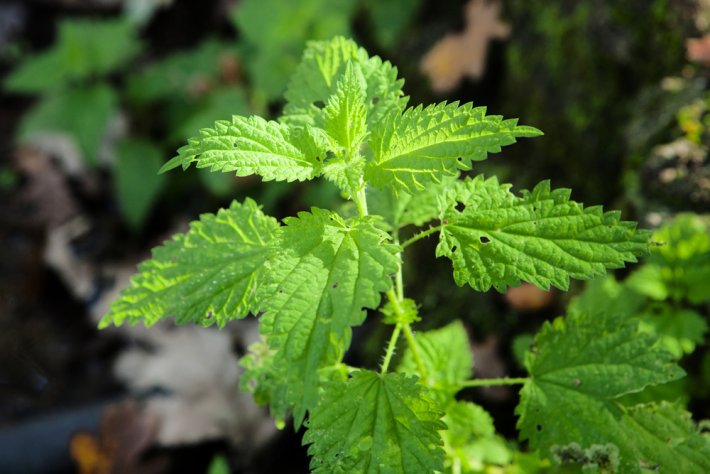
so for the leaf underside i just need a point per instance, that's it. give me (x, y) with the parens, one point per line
(206, 276)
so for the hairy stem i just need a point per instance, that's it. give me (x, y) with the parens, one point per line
(390, 348)
(399, 286)
(421, 235)
(409, 335)
(492, 382)
(361, 201)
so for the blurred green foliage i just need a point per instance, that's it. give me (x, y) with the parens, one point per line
(168, 99)
(84, 49)
(574, 70)
(589, 73)
(668, 293)
(83, 113)
(137, 178)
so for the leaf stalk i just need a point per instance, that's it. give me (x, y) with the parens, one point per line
(390, 348)
(493, 382)
(422, 235)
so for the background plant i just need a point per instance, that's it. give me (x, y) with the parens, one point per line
(312, 278)
(196, 72)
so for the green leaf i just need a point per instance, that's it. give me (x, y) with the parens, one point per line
(207, 275)
(542, 237)
(401, 209)
(470, 441)
(345, 114)
(424, 145)
(256, 146)
(389, 19)
(265, 380)
(316, 79)
(83, 48)
(446, 357)
(274, 34)
(375, 423)
(679, 330)
(219, 465)
(578, 366)
(81, 113)
(137, 180)
(220, 103)
(664, 438)
(182, 74)
(605, 294)
(345, 121)
(679, 267)
(324, 272)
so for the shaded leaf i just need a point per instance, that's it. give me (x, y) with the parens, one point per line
(578, 367)
(375, 423)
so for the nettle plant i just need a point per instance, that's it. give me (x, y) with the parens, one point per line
(311, 278)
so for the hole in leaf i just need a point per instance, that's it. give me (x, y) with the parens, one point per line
(328, 156)
(375, 100)
(538, 427)
(235, 145)
(484, 239)
(460, 206)
(319, 103)
(453, 249)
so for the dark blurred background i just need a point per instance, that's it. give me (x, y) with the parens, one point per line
(97, 94)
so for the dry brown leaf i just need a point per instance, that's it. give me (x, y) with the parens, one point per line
(126, 431)
(199, 370)
(487, 363)
(527, 297)
(698, 49)
(460, 55)
(86, 451)
(46, 193)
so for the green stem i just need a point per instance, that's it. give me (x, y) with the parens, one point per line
(421, 235)
(395, 301)
(390, 348)
(361, 201)
(492, 382)
(415, 350)
(399, 286)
